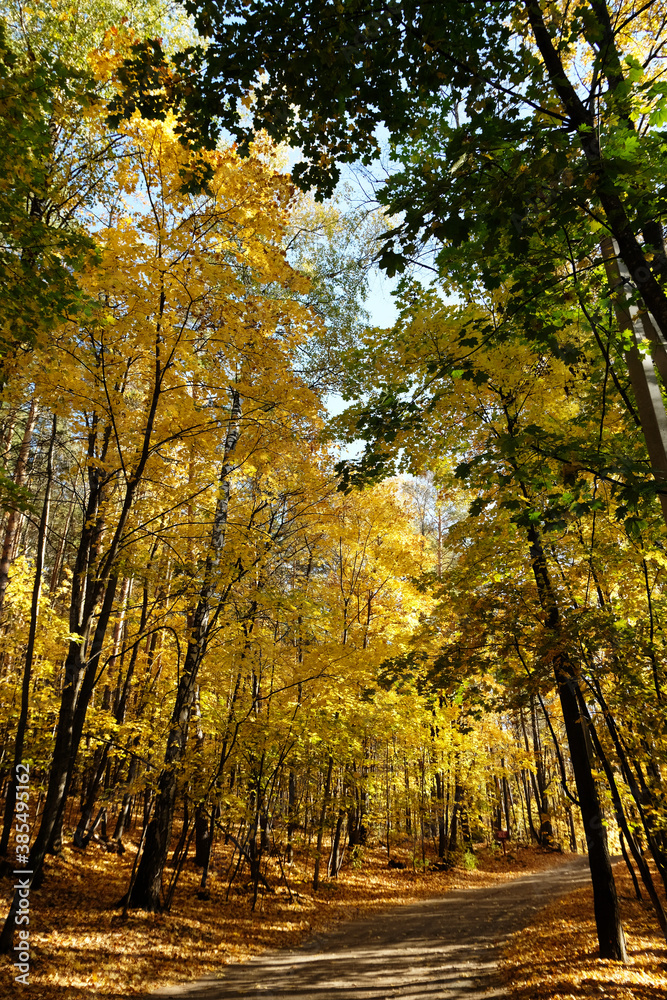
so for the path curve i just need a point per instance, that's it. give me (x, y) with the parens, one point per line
(437, 949)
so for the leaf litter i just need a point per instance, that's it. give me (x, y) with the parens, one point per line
(555, 956)
(80, 945)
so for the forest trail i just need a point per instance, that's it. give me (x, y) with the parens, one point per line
(438, 949)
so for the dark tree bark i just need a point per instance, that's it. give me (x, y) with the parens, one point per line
(291, 814)
(442, 826)
(611, 938)
(621, 819)
(320, 829)
(531, 781)
(206, 867)
(202, 836)
(337, 845)
(641, 794)
(126, 805)
(101, 758)
(628, 865)
(146, 892)
(457, 809)
(506, 802)
(185, 826)
(540, 781)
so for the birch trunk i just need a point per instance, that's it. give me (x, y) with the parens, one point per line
(648, 346)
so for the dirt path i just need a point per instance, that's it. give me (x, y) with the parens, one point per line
(437, 949)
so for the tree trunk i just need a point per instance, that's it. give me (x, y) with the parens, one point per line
(611, 938)
(291, 814)
(646, 807)
(59, 557)
(640, 365)
(457, 808)
(148, 883)
(546, 826)
(337, 845)
(506, 803)
(215, 813)
(202, 837)
(126, 805)
(442, 828)
(320, 829)
(30, 648)
(621, 820)
(184, 831)
(15, 515)
(582, 123)
(531, 779)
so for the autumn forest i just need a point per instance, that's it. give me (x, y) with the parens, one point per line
(305, 612)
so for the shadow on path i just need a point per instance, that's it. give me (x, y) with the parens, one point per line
(438, 949)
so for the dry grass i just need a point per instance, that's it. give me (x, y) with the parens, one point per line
(80, 946)
(555, 957)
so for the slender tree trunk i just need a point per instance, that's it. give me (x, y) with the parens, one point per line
(640, 793)
(640, 365)
(15, 515)
(30, 648)
(126, 806)
(457, 809)
(527, 781)
(583, 124)
(83, 668)
(185, 826)
(291, 814)
(506, 803)
(148, 883)
(320, 829)
(408, 810)
(80, 835)
(440, 799)
(388, 803)
(644, 870)
(628, 865)
(60, 552)
(529, 808)
(607, 916)
(215, 813)
(546, 826)
(338, 842)
(202, 836)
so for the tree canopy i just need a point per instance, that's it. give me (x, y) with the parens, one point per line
(213, 624)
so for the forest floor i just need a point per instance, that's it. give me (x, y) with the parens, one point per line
(554, 957)
(443, 948)
(80, 946)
